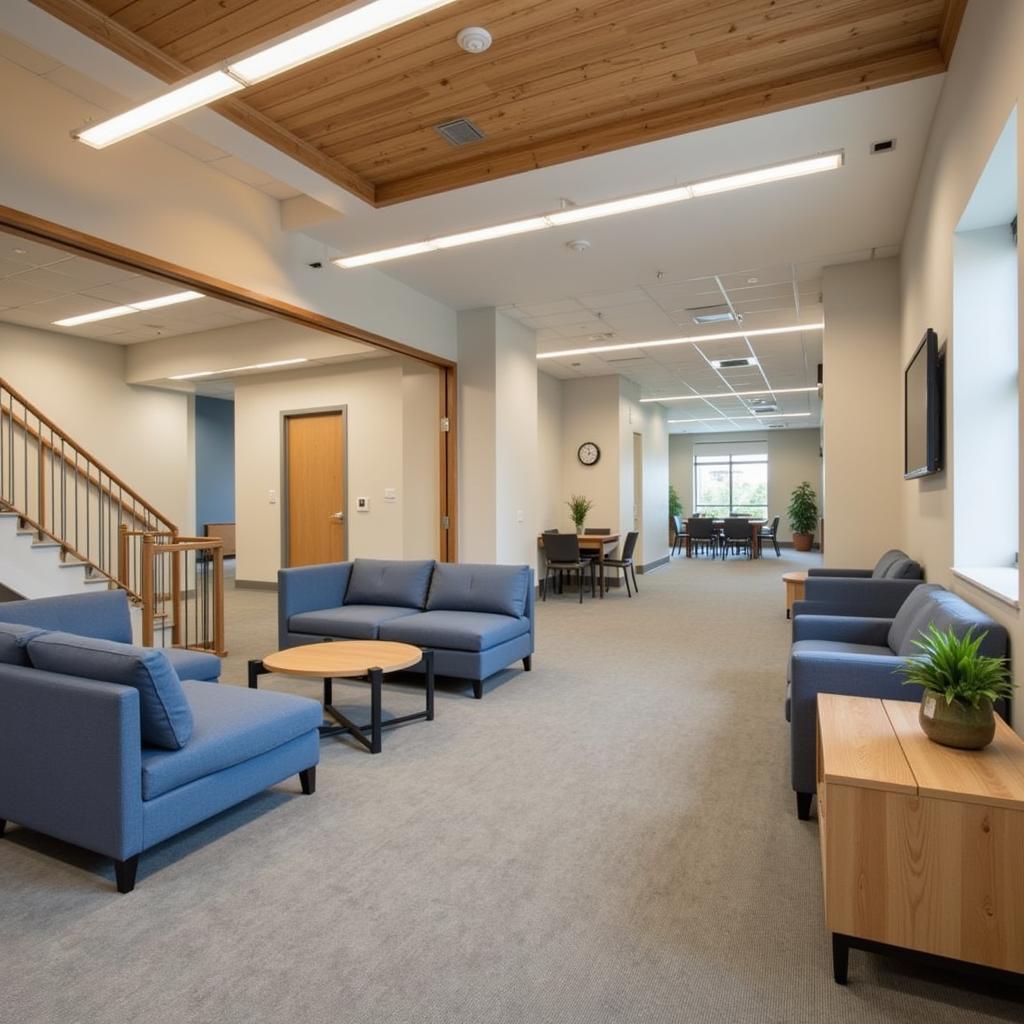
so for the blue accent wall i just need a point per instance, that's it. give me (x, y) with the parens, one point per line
(215, 461)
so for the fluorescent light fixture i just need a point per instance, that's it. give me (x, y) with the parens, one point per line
(731, 394)
(322, 37)
(198, 92)
(238, 369)
(329, 34)
(693, 340)
(764, 416)
(135, 307)
(578, 214)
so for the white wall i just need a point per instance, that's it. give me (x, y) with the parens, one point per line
(862, 411)
(142, 434)
(374, 395)
(421, 451)
(649, 421)
(793, 456)
(550, 509)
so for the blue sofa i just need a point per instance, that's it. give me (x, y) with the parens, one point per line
(104, 746)
(860, 656)
(477, 619)
(877, 592)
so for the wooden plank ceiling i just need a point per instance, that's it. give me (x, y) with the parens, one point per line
(564, 78)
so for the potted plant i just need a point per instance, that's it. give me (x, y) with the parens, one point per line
(675, 508)
(579, 508)
(803, 516)
(959, 687)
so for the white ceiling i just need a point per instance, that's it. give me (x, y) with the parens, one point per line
(40, 284)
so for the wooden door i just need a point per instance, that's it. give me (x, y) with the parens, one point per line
(315, 488)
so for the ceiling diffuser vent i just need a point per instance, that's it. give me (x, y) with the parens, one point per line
(763, 408)
(733, 364)
(712, 315)
(460, 132)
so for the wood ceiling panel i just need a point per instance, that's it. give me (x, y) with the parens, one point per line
(563, 79)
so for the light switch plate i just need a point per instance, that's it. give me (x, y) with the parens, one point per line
(362, 504)
(390, 494)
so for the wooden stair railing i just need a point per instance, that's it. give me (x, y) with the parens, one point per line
(67, 496)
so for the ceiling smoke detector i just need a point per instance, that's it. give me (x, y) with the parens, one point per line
(474, 39)
(578, 245)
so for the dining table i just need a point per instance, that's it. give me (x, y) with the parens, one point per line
(598, 545)
(756, 525)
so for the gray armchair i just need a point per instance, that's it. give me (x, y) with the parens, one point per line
(860, 656)
(893, 565)
(876, 593)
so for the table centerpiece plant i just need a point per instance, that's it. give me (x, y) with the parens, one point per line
(803, 516)
(579, 509)
(960, 686)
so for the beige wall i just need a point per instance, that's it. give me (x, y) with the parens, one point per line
(375, 396)
(862, 418)
(649, 422)
(793, 456)
(984, 81)
(142, 434)
(549, 452)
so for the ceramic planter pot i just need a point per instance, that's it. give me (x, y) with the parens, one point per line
(579, 530)
(803, 541)
(957, 725)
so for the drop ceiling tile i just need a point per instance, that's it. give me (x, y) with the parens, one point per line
(548, 308)
(136, 289)
(573, 317)
(85, 272)
(609, 300)
(16, 292)
(29, 253)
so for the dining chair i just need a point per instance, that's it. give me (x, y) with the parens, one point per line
(736, 534)
(701, 533)
(772, 533)
(680, 530)
(625, 563)
(562, 554)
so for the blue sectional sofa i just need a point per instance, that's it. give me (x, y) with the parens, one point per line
(103, 745)
(877, 592)
(477, 619)
(860, 657)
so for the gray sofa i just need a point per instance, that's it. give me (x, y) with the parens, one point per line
(859, 656)
(477, 619)
(877, 592)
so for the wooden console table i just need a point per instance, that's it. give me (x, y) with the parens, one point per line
(920, 844)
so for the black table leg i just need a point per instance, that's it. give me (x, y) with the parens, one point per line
(328, 691)
(256, 669)
(376, 681)
(428, 664)
(840, 958)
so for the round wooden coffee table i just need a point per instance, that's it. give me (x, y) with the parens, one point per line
(795, 584)
(351, 659)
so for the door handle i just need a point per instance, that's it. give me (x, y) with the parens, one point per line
(337, 516)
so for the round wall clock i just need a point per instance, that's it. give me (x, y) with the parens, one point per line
(588, 453)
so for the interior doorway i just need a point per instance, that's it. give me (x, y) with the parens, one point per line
(314, 476)
(638, 495)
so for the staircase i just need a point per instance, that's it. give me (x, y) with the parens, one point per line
(68, 524)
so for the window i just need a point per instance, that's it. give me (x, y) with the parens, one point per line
(725, 485)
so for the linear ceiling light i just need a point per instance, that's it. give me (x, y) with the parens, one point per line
(693, 340)
(239, 369)
(765, 416)
(330, 33)
(135, 307)
(732, 394)
(577, 214)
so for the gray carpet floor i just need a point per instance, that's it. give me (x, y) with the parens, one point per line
(610, 838)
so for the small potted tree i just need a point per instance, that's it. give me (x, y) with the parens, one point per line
(960, 686)
(675, 508)
(803, 516)
(579, 509)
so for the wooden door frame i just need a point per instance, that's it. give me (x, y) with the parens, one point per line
(38, 229)
(286, 415)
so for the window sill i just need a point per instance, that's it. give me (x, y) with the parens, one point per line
(1000, 582)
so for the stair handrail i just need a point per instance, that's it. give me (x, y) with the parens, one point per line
(123, 487)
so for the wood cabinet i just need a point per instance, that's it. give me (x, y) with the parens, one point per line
(922, 846)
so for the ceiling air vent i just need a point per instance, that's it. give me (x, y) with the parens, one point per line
(712, 315)
(764, 408)
(460, 132)
(733, 364)
(883, 146)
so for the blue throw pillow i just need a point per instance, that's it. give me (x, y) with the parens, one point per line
(498, 589)
(13, 638)
(166, 718)
(395, 583)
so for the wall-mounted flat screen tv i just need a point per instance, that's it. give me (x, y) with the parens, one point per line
(922, 410)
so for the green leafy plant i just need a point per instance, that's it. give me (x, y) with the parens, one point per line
(675, 505)
(579, 509)
(803, 509)
(952, 667)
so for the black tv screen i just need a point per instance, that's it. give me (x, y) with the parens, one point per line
(922, 393)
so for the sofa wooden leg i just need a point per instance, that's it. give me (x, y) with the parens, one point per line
(125, 871)
(528, 663)
(478, 689)
(307, 779)
(803, 806)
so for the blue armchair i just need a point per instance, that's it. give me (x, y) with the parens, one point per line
(875, 593)
(860, 656)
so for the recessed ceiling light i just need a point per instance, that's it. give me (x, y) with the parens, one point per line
(694, 339)
(577, 214)
(752, 280)
(239, 369)
(134, 307)
(731, 394)
(328, 34)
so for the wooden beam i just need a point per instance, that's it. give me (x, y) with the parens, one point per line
(677, 120)
(107, 32)
(952, 17)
